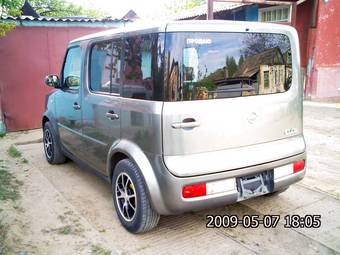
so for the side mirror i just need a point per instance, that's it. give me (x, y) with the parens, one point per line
(52, 81)
(72, 81)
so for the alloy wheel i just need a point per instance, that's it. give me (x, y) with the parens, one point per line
(48, 143)
(126, 197)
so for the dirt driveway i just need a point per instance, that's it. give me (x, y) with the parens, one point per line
(67, 210)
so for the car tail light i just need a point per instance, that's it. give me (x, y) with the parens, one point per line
(298, 166)
(195, 190)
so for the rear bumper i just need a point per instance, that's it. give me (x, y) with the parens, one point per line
(285, 181)
(172, 201)
(240, 157)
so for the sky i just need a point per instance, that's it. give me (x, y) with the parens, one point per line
(147, 9)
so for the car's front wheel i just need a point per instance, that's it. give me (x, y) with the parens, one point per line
(53, 152)
(131, 200)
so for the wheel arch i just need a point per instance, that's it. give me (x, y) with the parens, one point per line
(47, 116)
(44, 120)
(125, 149)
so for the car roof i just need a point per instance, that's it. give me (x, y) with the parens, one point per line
(190, 26)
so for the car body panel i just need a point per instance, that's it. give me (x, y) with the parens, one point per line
(69, 120)
(167, 162)
(144, 162)
(99, 131)
(238, 126)
(234, 158)
(171, 186)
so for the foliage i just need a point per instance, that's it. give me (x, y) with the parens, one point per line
(56, 8)
(98, 250)
(11, 7)
(5, 27)
(240, 61)
(8, 185)
(258, 42)
(219, 74)
(176, 6)
(192, 3)
(4, 249)
(66, 230)
(24, 161)
(231, 66)
(14, 152)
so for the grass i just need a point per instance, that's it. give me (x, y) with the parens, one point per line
(9, 185)
(98, 250)
(24, 161)
(14, 152)
(3, 236)
(66, 230)
(1, 136)
(337, 194)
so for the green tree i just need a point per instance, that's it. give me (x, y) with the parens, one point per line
(255, 43)
(231, 66)
(175, 6)
(56, 8)
(240, 61)
(5, 27)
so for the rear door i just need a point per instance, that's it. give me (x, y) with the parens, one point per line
(228, 91)
(101, 102)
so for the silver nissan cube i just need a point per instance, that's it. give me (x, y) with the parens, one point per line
(180, 117)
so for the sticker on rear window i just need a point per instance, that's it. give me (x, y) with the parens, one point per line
(198, 41)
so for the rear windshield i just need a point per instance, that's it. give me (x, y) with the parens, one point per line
(224, 65)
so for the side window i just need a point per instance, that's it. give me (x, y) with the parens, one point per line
(105, 66)
(116, 64)
(100, 69)
(72, 67)
(143, 67)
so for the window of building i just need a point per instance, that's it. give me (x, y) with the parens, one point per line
(275, 14)
(266, 79)
(143, 67)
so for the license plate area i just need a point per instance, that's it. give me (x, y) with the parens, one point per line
(255, 185)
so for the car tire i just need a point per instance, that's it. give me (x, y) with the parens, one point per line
(52, 149)
(131, 199)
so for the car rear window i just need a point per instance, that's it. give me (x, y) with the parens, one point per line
(224, 65)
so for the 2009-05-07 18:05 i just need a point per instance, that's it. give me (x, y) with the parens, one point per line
(267, 221)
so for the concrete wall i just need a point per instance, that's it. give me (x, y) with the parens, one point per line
(28, 54)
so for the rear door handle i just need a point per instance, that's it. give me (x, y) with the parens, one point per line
(186, 123)
(76, 106)
(112, 115)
